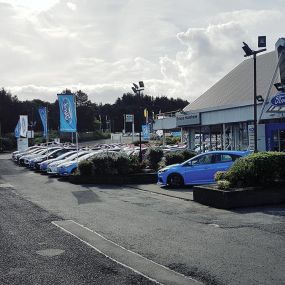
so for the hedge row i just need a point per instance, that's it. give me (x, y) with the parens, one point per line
(109, 163)
(257, 169)
(117, 163)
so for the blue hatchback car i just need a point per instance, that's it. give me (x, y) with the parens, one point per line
(200, 169)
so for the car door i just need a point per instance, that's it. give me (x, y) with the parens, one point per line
(199, 170)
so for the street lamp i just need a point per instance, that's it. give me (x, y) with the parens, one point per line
(280, 87)
(249, 52)
(137, 89)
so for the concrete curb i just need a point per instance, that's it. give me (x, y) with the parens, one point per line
(172, 195)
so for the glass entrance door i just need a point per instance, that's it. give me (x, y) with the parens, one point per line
(278, 140)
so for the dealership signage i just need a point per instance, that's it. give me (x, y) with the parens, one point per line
(129, 118)
(188, 119)
(22, 144)
(251, 137)
(279, 99)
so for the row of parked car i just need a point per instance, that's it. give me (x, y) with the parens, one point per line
(63, 160)
(54, 159)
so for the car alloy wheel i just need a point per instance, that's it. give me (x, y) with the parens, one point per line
(175, 180)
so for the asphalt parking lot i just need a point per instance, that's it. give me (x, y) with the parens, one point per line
(244, 246)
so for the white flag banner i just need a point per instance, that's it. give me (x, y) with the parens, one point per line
(23, 125)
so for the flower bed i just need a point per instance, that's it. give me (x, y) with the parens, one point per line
(239, 197)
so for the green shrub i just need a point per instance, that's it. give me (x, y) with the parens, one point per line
(92, 136)
(257, 169)
(85, 167)
(162, 163)
(188, 154)
(7, 144)
(153, 156)
(105, 163)
(172, 140)
(220, 175)
(135, 165)
(137, 143)
(112, 163)
(122, 164)
(174, 157)
(224, 184)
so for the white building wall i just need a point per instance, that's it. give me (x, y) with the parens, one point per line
(166, 123)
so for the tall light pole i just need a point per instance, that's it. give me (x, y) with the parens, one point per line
(137, 89)
(249, 52)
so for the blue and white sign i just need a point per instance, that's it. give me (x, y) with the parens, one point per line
(176, 134)
(17, 130)
(129, 118)
(145, 132)
(43, 115)
(67, 109)
(278, 99)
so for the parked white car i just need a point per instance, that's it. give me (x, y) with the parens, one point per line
(52, 168)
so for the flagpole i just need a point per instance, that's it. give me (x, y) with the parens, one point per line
(47, 138)
(76, 133)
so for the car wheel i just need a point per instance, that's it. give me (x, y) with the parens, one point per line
(175, 180)
(73, 172)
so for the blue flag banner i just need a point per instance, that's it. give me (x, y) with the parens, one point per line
(17, 130)
(145, 132)
(43, 115)
(67, 109)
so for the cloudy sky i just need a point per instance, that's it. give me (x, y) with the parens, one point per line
(178, 48)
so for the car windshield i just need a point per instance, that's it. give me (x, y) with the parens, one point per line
(65, 155)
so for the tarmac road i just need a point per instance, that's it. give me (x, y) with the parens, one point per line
(213, 246)
(33, 251)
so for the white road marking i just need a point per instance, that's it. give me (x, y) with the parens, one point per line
(6, 186)
(139, 264)
(214, 225)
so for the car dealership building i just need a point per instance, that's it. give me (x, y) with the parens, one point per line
(222, 117)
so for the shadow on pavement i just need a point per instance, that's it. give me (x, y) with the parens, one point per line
(275, 210)
(86, 197)
(185, 188)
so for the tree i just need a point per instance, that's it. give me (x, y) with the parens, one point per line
(88, 113)
(82, 99)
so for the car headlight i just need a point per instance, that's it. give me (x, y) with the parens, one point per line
(163, 170)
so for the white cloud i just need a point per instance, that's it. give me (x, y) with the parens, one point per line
(102, 47)
(35, 5)
(71, 6)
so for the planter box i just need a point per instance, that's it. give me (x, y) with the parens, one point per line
(139, 178)
(242, 197)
